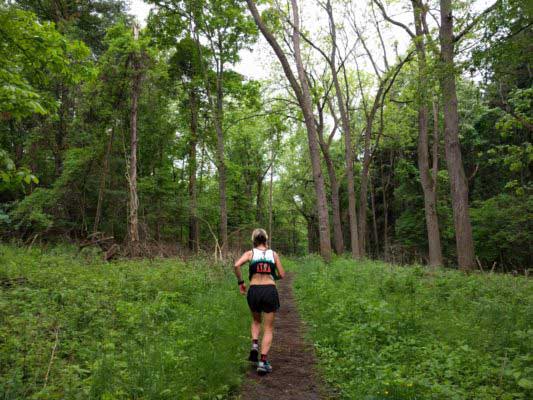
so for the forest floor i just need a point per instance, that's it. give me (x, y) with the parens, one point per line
(293, 361)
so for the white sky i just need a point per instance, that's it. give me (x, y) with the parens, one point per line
(258, 63)
(254, 64)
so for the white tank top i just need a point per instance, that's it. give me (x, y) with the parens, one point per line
(263, 255)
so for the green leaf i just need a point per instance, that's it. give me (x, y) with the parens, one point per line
(525, 383)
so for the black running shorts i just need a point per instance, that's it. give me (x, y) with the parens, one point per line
(263, 298)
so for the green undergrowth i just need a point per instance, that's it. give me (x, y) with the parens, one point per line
(76, 328)
(385, 332)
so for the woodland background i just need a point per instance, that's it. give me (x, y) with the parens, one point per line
(412, 151)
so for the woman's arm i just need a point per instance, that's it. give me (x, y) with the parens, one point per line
(279, 266)
(247, 256)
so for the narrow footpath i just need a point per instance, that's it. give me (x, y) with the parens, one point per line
(293, 362)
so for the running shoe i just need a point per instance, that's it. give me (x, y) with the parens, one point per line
(264, 367)
(254, 355)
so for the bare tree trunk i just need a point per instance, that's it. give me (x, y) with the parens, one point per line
(103, 177)
(304, 99)
(194, 227)
(61, 130)
(338, 240)
(454, 161)
(221, 165)
(134, 199)
(217, 110)
(435, 169)
(364, 181)
(259, 201)
(307, 109)
(386, 184)
(374, 219)
(346, 128)
(271, 187)
(427, 181)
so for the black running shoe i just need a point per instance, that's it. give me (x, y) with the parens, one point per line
(254, 355)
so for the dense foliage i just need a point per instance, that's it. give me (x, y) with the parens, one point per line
(74, 327)
(218, 153)
(414, 333)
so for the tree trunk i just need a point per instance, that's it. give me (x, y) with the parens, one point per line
(364, 184)
(428, 183)
(61, 130)
(103, 177)
(348, 152)
(386, 184)
(221, 165)
(217, 110)
(259, 201)
(301, 91)
(307, 109)
(194, 228)
(374, 219)
(270, 193)
(454, 162)
(338, 240)
(134, 199)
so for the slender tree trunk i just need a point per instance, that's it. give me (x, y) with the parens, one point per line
(454, 161)
(270, 193)
(338, 240)
(61, 129)
(348, 152)
(134, 199)
(259, 201)
(435, 168)
(194, 228)
(301, 90)
(103, 177)
(374, 219)
(217, 109)
(221, 165)
(386, 184)
(307, 109)
(428, 184)
(363, 200)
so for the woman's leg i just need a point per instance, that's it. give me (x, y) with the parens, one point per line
(268, 331)
(256, 325)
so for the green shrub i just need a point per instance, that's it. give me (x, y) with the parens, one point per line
(159, 329)
(384, 332)
(503, 230)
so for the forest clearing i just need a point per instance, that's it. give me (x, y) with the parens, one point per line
(76, 327)
(276, 199)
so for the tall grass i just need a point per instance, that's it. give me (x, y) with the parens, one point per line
(384, 332)
(76, 329)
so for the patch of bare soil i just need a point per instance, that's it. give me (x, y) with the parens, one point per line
(293, 361)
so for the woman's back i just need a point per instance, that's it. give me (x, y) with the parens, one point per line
(262, 267)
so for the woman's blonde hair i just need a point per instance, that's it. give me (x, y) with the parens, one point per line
(259, 236)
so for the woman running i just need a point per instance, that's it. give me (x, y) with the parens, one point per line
(263, 300)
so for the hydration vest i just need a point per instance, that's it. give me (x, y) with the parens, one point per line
(263, 262)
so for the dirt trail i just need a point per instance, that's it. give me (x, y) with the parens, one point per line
(293, 361)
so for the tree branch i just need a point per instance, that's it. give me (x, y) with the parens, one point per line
(474, 21)
(394, 22)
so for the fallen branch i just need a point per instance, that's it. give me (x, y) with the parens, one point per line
(52, 356)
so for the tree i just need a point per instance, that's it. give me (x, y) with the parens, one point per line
(428, 179)
(301, 90)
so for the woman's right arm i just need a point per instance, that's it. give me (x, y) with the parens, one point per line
(244, 258)
(279, 266)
